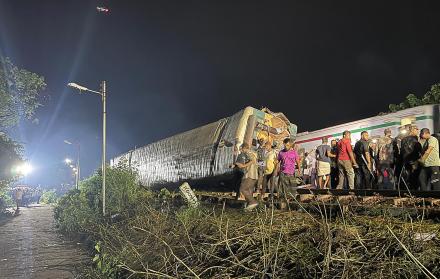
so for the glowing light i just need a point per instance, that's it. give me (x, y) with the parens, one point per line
(23, 169)
(67, 161)
(375, 141)
(77, 86)
(102, 9)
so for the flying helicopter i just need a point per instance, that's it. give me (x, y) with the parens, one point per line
(103, 10)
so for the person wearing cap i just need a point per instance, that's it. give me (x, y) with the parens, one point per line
(247, 162)
(385, 148)
(429, 177)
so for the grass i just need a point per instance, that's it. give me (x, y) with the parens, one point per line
(162, 241)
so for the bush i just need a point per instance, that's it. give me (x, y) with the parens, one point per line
(72, 213)
(78, 209)
(5, 201)
(49, 197)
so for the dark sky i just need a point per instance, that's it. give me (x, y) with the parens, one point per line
(175, 65)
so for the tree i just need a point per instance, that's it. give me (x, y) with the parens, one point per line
(10, 155)
(19, 93)
(430, 97)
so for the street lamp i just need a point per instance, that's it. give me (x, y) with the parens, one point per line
(23, 169)
(69, 164)
(78, 172)
(103, 95)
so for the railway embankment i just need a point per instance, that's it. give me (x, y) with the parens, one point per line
(154, 235)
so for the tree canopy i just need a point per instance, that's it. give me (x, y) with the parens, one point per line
(19, 93)
(430, 97)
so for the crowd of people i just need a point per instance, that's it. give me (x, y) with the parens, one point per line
(23, 195)
(408, 161)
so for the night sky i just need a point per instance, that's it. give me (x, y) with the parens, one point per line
(175, 65)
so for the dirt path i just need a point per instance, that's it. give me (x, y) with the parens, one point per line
(30, 247)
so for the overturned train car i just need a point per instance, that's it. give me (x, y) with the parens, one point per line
(203, 156)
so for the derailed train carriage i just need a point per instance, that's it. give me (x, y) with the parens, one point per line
(203, 156)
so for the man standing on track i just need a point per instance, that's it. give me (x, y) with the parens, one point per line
(346, 161)
(269, 157)
(334, 172)
(323, 154)
(410, 152)
(386, 161)
(429, 174)
(365, 162)
(247, 163)
(286, 161)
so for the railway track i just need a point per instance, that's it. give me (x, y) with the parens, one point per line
(420, 201)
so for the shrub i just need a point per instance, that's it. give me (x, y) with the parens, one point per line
(80, 208)
(5, 201)
(49, 197)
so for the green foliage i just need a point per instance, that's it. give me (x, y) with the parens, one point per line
(5, 200)
(187, 215)
(80, 211)
(105, 263)
(165, 194)
(19, 98)
(72, 213)
(152, 241)
(19, 93)
(430, 97)
(10, 156)
(49, 197)
(77, 209)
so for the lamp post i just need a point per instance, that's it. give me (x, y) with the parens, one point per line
(103, 95)
(78, 166)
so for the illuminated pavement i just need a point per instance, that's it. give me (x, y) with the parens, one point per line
(30, 247)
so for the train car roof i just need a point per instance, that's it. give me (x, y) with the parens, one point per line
(200, 127)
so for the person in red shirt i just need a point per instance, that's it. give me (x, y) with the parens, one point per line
(346, 161)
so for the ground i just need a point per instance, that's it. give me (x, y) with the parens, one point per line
(31, 247)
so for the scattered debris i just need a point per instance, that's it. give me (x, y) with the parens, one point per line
(424, 236)
(188, 195)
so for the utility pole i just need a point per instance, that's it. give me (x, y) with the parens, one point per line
(103, 93)
(104, 116)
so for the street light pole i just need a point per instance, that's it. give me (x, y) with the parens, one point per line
(78, 166)
(104, 142)
(103, 93)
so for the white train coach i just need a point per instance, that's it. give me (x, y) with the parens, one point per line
(426, 116)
